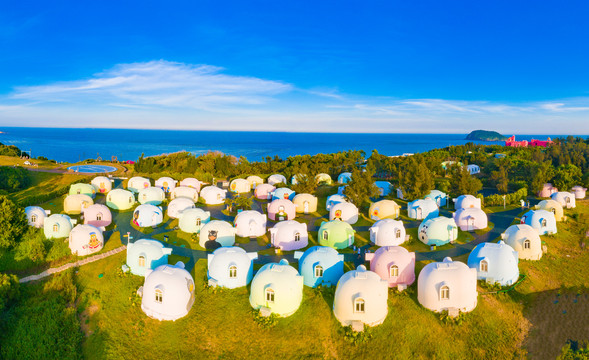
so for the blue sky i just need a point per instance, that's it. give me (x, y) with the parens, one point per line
(377, 66)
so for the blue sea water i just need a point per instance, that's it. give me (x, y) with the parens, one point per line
(73, 145)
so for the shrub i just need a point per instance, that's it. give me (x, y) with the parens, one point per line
(264, 321)
(9, 289)
(356, 337)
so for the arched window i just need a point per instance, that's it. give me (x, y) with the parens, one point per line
(159, 296)
(232, 272)
(269, 295)
(325, 235)
(444, 293)
(394, 271)
(79, 191)
(553, 211)
(484, 266)
(543, 222)
(398, 233)
(218, 196)
(297, 236)
(141, 261)
(34, 218)
(130, 199)
(359, 305)
(198, 222)
(55, 227)
(144, 195)
(99, 216)
(527, 244)
(318, 271)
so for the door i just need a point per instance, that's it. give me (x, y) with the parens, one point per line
(418, 213)
(306, 207)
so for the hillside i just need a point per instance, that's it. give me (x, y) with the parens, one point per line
(485, 135)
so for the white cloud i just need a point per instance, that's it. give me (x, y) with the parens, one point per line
(160, 83)
(163, 94)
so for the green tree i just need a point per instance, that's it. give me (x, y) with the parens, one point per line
(361, 188)
(501, 179)
(32, 246)
(242, 202)
(13, 223)
(462, 182)
(567, 176)
(9, 289)
(305, 184)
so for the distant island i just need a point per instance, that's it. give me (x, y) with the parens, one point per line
(484, 135)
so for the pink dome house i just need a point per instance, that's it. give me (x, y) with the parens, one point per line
(547, 190)
(470, 219)
(579, 191)
(192, 182)
(281, 209)
(97, 215)
(394, 264)
(264, 191)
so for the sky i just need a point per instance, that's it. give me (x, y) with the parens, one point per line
(316, 66)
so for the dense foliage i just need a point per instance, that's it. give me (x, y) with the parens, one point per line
(13, 223)
(9, 150)
(361, 187)
(43, 324)
(13, 178)
(9, 289)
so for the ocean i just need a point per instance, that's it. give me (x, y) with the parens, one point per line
(73, 145)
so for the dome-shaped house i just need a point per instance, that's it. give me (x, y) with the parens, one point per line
(75, 204)
(525, 240)
(192, 220)
(250, 223)
(437, 231)
(151, 195)
(344, 211)
(438, 196)
(495, 263)
(305, 203)
(547, 190)
(184, 192)
(470, 219)
(289, 235)
(277, 288)
(334, 199)
(212, 195)
(216, 233)
(341, 189)
(467, 201)
(294, 180)
(473, 169)
(394, 264)
(167, 184)
(344, 177)
(119, 199)
(264, 191)
(543, 221)
(147, 215)
(36, 215)
(320, 265)
(388, 232)
(254, 181)
(192, 182)
(283, 193)
(384, 209)
(168, 292)
(146, 254)
(240, 186)
(102, 184)
(579, 191)
(82, 189)
(447, 286)
(85, 240)
(97, 215)
(384, 187)
(281, 209)
(231, 267)
(422, 209)
(57, 226)
(553, 206)
(137, 183)
(276, 178)
(565, 198)
(361, 298)
(323, 179)
(178, 205)
(336, 234)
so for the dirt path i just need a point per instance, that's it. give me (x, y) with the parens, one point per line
(85, 261)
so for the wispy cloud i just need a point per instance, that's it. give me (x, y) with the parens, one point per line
(160, 83)
(149, 94)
